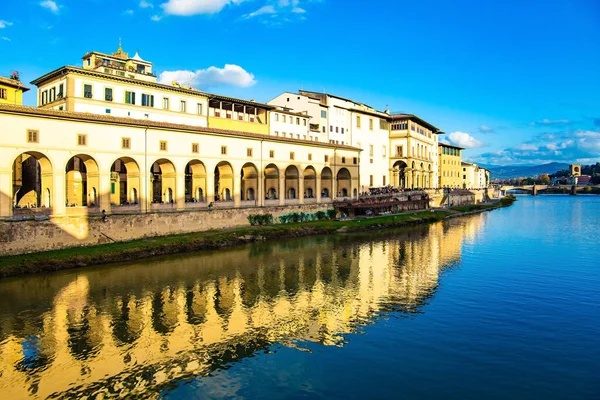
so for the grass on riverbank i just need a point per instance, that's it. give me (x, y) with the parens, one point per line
(162, 245)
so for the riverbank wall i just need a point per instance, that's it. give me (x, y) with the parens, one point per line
(54, 233)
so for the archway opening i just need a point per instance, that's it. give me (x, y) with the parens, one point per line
(162, 178)
(344, 182)
(249, 182)
(124, 182)
(271, 182)
(195, 182)
(398, 174)
(223, 181)
(82, 181)
(32, 181)
(291, 182)
(326, 182)
(310, 182)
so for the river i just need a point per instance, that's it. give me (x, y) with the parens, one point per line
(504, 304)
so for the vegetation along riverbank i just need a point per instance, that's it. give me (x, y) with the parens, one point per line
(138, 249)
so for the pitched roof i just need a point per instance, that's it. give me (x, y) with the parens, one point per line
(13, 83)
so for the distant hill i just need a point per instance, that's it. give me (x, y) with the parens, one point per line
(524, 171)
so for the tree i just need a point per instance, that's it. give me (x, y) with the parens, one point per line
(544, 179)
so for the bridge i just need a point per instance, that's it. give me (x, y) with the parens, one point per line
(534, 189)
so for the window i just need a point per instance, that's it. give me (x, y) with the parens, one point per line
(309, 156)
(342, 130)
(354, 160)
(276, 117)
(326, 158)
(304, 122)
(32, 136)
(370, 123)
(182, 106)
(271, 153)
(324, 128)
(224, 150)
(107, 110)
(383, 124)
(297, 121)
(323, 114)
(276, 133)
(52, 94)
(163, 145)
(370, 180)
(195, 148)
(249, 152)
(87, 91)
(108, 94)
(44, 96)
(371, 150)
(336, 129)
(199, 108)
(126, 143)
(284, 118)
(129, 97)
(81, 140)
(399, 151)
(358, 121)
(330, 128)
(61, 90)
(147, 100)
(343, 160)
(292, 155)
(165, 103)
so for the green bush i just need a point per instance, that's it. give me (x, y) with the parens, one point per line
(508, 200)
(321, 215)
(260, 219)
(331, 214)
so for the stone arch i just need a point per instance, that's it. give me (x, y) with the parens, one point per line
(310, 182)
(271, 182)
(195, 181)
(344, 182)
(125, 181)
(82, 181)
(223, 182)
(326, 182)
(32, 180)
(291, 182)
(249, 182)
(398, 174)
(163, 180)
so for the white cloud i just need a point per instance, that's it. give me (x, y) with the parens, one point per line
(50, 5)
(485, 129)
(4, 24)
(261, 11)
(230, 75)
(549, 122)
(6, 39)
(298, 10)
(146, 4)
(465, 140)
(526, 146)
(128, 12)
(156, 18)
(195, 7)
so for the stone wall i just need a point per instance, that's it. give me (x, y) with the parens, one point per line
(52, 233)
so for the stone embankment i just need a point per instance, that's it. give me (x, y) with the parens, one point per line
(214, 239)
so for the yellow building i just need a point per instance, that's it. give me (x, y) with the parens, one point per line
(450, 168)
(238, 115)
(11, 90)
(413, 156)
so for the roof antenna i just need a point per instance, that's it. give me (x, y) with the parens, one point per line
(120, 46)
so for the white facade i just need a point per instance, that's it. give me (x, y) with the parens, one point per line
(474, 177)
(291, 125)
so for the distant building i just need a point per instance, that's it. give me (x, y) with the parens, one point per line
(450, 166)
(11, 90)
(575, 169)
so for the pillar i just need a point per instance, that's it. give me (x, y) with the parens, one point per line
(282, 189)
(210, 186)
(6, 192)
(58, 195)
(318, 187)
(180, 190)
(104, 189)
(300, 189)
(237, 186)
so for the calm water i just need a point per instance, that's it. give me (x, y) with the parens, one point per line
(499, 305)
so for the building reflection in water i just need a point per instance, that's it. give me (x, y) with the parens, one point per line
(130, 330)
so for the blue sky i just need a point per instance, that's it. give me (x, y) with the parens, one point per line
(517, 82)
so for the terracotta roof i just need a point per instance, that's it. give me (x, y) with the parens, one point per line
(103, 118)
(13, 83)
(242, 101)
(374, 113)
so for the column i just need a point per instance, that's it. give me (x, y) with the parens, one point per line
(408, 178)
(300, 189)
(282, 189)
(180, 190)
(237, 186)
(210, 187)
(318, 187)
(104, 188)
(6, 193)
(260, 190)
(58, 195)
(144, 191)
